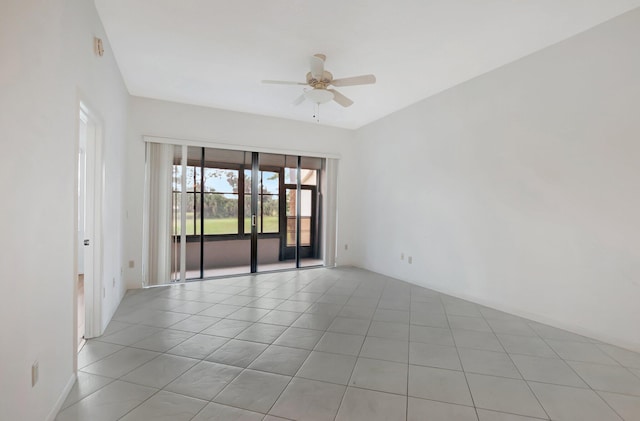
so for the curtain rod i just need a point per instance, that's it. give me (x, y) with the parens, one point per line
(236, 147)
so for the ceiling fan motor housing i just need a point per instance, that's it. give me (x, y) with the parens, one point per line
(325, 81)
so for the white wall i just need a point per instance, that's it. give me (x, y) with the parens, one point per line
(521, 188)
(149, 117)
(46, 62)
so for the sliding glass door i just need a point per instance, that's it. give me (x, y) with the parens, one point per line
(270, 214)
(303, 211)
(235, 212)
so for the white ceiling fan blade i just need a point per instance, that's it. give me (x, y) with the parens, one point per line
(299, 100)
(317, 66)
(282, 82)
(356, 80)
(340, 99)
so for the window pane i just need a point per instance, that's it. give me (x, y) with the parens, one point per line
(175, 215)
(305, 217)
(272, 160)
(259, 215)
(247, 183)
(290, 176)
(220, 180)
(193, 214)
(311, 163)
(291, 217)
(176, 183)
(306, 203)
(212, 155)
(270, 213)
(305, 230)
(194, 155)
(247, 213)
(270, 182)
(220, 213)
(308, 177)
(193, 178)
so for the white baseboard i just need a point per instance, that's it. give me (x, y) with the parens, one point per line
(579, 330)
(540, 318)
(63, 396)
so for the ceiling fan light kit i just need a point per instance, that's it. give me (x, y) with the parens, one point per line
(319, 79)
(319, 96)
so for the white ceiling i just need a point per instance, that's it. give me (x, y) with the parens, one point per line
(215, 53)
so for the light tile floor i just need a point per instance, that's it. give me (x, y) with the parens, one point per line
(340, 344)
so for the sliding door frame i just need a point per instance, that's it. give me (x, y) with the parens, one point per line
(255, 171)
(255, 185)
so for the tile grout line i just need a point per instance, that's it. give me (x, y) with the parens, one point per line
(299, 368)
(359, 352)
(325, 291)
(212, 400)
(473, 402)
(258, 356)
(515, 366)
(578, 374)
(157, 356)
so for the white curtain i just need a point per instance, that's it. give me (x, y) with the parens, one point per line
(158, 238)
(330, 207)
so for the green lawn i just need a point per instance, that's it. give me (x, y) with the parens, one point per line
(227, 225)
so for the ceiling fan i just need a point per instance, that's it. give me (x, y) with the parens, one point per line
(320, 79)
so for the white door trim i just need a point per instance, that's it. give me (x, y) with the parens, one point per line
(94, 288)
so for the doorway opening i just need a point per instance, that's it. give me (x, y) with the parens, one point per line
(232, 212)
(82, 206)
(242, 212)
(88, 232)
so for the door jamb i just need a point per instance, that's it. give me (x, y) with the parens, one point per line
(94, 292)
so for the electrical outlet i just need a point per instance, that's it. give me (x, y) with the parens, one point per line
(133, 263)
(410, 259)
(35, 368)
(401, 256)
